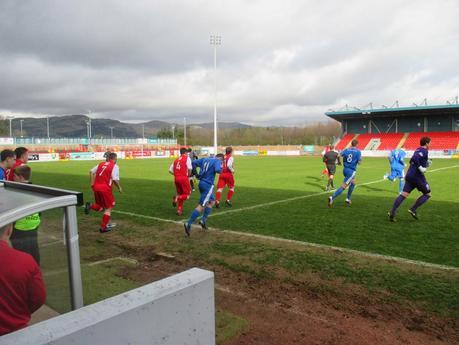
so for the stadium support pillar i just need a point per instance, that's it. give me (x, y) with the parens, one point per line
(73, 254)
(426, 126)
(396, 125)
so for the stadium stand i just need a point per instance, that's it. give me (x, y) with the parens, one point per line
(390, 141)
(440, 140)
(345, 141)
(386, 128)
(379, 141)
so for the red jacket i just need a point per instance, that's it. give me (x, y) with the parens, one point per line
(10, 172)
(22, 290)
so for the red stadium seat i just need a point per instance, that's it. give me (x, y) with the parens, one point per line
(440, 140)
(390, 141)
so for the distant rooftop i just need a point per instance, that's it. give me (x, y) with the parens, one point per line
(368, 109)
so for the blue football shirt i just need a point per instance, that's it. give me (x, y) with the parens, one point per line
(208, 168)
(351, 157)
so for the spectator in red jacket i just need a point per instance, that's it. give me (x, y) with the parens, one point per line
(22, 290)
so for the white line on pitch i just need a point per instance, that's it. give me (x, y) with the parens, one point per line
(305, 196)
(309, 244)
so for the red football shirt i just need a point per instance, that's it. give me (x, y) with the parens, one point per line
(105, 173)
(18, 163)
(22, 290)
(227, 167)
(181, 166)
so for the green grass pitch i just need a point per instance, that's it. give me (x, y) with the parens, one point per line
(148, 190)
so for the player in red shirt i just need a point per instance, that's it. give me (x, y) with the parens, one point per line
(327, 149)
(22, 157)
(103, 177)
(181, 169)
(22, 290)
(226, 178)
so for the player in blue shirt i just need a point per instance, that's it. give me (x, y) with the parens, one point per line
(351, 158)
(208, 168)
(415, 178)
(397, 167)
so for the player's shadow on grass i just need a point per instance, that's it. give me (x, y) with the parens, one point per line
(316, 183)
(373, 189)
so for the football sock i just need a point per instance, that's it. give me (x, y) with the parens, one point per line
(105, 220)
(332, 184)
(329, 183)
(419, 202)
(397, 204)
(230, 194)
(180, 203)
(96, 207)
(207, 211)
(401, 184)
(192, 183)
(193, 217)
(350, 190)
(218, 195)
(337, 192)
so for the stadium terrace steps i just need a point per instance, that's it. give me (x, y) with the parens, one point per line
(402, 142)
(345, 141)
(390, 141)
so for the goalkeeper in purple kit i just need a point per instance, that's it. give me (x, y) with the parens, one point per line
(415, 179)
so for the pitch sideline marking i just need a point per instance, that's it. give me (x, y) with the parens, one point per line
(306, 196)
(306, 244)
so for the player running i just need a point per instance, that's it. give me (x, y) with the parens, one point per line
(193, 157)
(415, 178)
(181, 169)
(351, 158)
(324, 152)
(226, 178)
(331, 158)
(208, 168)
(103, 176)
(397, 167)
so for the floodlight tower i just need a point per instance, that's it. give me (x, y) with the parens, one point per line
(184, 131)
(47, 126)
(10, 118)
(215, 40)
(88, 122)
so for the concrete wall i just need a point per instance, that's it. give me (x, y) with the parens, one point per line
(176, 310)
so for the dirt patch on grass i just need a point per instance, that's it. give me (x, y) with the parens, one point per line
(281, 308)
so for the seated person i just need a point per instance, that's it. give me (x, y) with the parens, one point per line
(25, 230)
(22, 290)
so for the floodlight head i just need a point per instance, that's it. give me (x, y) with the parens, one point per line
(215, 40)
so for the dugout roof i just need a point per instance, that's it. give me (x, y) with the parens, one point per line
(18, 200)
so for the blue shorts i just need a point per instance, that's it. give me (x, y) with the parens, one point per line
(396, 172)
(349, 175)
(419, 182)
(207, 193)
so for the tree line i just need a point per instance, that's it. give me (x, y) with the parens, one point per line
(313, 134)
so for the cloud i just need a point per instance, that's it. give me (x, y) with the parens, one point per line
(281, 62)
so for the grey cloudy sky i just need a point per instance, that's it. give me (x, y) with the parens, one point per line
(281, 62)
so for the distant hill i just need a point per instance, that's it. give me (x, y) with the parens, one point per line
(74, 126)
